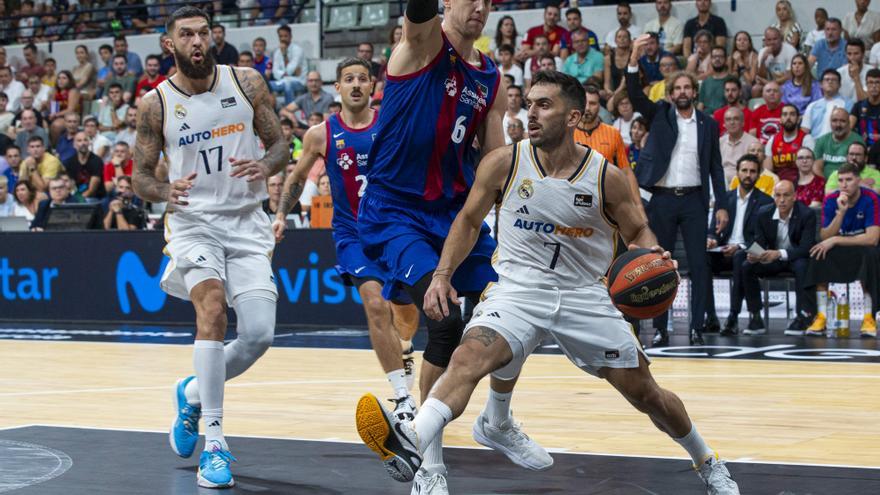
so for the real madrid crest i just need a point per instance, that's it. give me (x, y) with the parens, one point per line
(179, 111)
(525, 189)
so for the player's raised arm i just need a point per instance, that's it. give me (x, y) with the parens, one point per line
(314, 144)
(421, 38)
(150, 141)
(267, 127)
(488, 186)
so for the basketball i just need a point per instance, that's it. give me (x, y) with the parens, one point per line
(642, 284)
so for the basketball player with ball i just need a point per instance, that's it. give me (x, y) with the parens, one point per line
(561, 208)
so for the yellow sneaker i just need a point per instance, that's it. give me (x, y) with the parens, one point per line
(869, 326)
(817, 329)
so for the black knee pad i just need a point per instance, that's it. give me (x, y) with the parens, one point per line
(443, 337)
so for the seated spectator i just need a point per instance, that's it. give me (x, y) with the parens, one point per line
(786, 231)
(584, 62)
(150, 79)
(65, 99)
(624, 21)
(105, 69)
(508, 65)
(817, 116)
(638, 133)
(707, 21)
(64, 147)
(727, 247)
(649, 62)
(42, 94)
(515, 110)
(112, 111)
(786, 23)
(668, 27)
(365, 51)
(128, 135)
(59, 194)
(44, 163)
(515, 131)
(857, 154)
(28, 23)
(273, 187)
(829, 53)
(224, 53)
(602, 137)
(10, 164)
(167, 65)
(12, 88)
(711, 95)
(853, 75)
(270, 12)
(121, 76)
(810, 187)
(735, 142)
(732, 99)
(767, 180)
(124, 212)
(245, 59)
(315, 100)
(615, 65)
(321, 209)
(31, 65)
(801, 89)
(820, 16)
(28, 130)
(541, 47)
(27, 200)
(774, 60)
(132, 59)
(505, 34)
(865, 114)
(743, 63)
(831, 149)
(624, 115)
(120, 165)
(862, 24)
(557, 36)
(765, 122)
(782, 150)
(84, 74)
(288, 66)
(668, 66)
(848, 249)
(700, 60)
(7, 203)
(6, 117)
(85, 169)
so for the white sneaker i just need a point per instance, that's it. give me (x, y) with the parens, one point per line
(717, 477)
(429, 484)
(509, 439)
(405, 408)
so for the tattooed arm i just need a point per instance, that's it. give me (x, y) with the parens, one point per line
(146, 151)
(314, 146)
(267, 126)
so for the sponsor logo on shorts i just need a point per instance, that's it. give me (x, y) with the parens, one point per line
(552, 229)
(228, 102)
(612, 354)
(201, 259)
(583, 200)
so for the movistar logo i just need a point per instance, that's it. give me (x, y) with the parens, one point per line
(131, 271)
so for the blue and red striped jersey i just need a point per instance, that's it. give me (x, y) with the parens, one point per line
(423, 153)
(346, 153)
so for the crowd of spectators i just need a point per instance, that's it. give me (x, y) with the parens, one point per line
(797, 119)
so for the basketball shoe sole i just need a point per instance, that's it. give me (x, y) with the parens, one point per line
(387, 436)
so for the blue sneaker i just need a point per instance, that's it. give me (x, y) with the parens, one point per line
(184, 433)
(214, 468)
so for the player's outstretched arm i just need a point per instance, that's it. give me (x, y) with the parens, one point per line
(421, 38)
(314, 144)
(488, 186)
(626, 210)
(266, 124)
(150, 141)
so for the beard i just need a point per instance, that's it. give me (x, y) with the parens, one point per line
(789, 126)
(683, 103)
(203, 70)
(747, 184)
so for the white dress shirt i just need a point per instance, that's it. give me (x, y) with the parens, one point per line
(13, 92)
(295, 60)
(783, 241)
(742, 203)
(684, 165)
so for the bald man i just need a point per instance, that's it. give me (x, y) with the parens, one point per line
(314, 100)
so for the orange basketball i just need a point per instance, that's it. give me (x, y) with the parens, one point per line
(642, 284)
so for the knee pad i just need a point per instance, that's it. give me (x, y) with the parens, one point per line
(255, 311)
(443, 337)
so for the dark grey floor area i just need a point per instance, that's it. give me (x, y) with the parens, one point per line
(118, 462)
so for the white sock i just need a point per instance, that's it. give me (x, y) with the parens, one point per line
(397, 378)
(695, 446)
(869, 304)
(433, 460)
(497, 407)
(822, 301)
(429, 423)
(210, 366)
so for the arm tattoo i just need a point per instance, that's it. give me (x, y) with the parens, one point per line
(266, 122)
(146, 152)
(289, 198)
(483, 335)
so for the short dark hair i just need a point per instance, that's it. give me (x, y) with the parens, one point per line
(106, 47)
(875, 73)
(121, 37)
(114, 85)
(36, 138)
(858, 143)
(350, 62)
(153, 56)
(641, 121)
(748, 157)
(719, 47)
(790, 105)
(287, 122)
(335, 104)
(654, 36)
(31, 47)
(514, 86)
(317, 114)
(625, 5)
(573, 10)
(856, 42)
(569, 87)
(834, 20)
(260, 38)
(832, 72)
(221, 26)
(285, 28)
(849, 168)
(507, 47)
(733, 80)
(246, 53)
(120, 56)
(366, 43)
(187, 12)
(13, 146)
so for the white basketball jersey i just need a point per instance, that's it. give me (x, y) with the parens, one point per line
(202, 132)
(554, 232)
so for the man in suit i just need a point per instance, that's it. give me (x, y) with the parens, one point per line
(677, 165)
(786, 231)
(728, 246)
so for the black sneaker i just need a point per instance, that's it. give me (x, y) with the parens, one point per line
(731, 326)
(712, 325)
(798, 325)
(696, 337)
(661, 338)
(756, 325)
